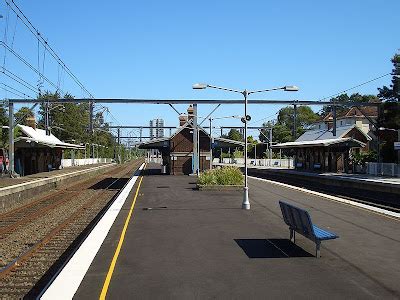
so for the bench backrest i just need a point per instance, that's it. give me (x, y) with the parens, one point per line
(297, 219)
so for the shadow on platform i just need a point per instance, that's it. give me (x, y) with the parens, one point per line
(271, 248)
(110, 183)
(152, 172)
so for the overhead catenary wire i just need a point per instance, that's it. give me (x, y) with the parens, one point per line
(354, 87)
(29, 65)
(18, 79)
(15, 91)
(24, 19)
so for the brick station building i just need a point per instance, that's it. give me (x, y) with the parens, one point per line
(177, 150)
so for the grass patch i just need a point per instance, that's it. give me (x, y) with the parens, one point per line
(222, 176)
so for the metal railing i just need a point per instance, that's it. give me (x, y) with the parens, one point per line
(263, 162)
(383, 169)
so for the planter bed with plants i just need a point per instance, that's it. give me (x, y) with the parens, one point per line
(221, 179)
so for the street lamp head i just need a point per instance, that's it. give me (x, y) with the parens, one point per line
(199, 86)
(291, 88)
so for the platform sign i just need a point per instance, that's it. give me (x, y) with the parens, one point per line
(396, 145)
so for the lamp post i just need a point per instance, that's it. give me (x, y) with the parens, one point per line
(246, 118)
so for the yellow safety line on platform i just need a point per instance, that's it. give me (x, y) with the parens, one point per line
(119, 246)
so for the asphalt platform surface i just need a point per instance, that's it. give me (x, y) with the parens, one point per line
(203, 245)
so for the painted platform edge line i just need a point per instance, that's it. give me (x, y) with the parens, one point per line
(65, 285)
(110, 272)
(376, 210)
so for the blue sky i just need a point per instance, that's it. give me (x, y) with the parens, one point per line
(158, 49)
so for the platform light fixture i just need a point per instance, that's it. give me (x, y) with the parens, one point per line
(245, 119)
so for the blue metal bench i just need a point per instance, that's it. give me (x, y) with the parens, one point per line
(299, 221)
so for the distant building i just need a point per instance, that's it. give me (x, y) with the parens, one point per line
(156, 128)
(37, 152)
(352, 117)
(318, 149)
(176, 152)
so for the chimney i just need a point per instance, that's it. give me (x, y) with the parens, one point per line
(182, 119)
(329, 123)
(31, 122)
(190, 112)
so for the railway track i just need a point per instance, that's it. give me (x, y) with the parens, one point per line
(35, 237)
(371, 198)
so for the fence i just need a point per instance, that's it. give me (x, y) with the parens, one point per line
(65, 163)
(157, 160)
(383, 169)
(277, 163)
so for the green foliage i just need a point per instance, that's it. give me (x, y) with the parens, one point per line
(70, 123)
(344, 98)
(392, 93)
(282, 130)
(360, 158)
(235, 135)
(225, 155)
(238, 154)
(21, 115)
(222, 176)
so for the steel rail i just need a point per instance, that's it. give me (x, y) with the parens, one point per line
(52, 234)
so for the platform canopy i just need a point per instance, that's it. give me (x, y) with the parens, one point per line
(34, 137)
(339, 142)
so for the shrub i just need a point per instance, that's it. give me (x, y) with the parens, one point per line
(222, 176)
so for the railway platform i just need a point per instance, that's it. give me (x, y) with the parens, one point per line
(14, 191)
(382, 191)
(171, 241)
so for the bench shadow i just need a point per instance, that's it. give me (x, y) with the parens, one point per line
(271, 248)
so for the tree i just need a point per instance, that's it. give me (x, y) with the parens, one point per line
(282, 129)
(22, 114)
(392, 93)
(70, 123)
(344, 98)
(235, 135)
(251, 142)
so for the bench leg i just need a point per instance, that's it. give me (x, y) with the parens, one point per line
(293, 235)
(317, 249)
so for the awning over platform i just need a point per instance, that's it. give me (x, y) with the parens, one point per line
(34, 137)
(339, 142)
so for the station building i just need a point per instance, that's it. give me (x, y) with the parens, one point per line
(37, 152)
(319, 150)
(177, 150)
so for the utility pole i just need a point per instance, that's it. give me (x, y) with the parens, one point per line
(334, 119)
(11, 138)
(211, 144)
(91, 131)
(141, 131)
(46, 118)
(119, 146)
(195, 145)
(270, 147)
(294, 122)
